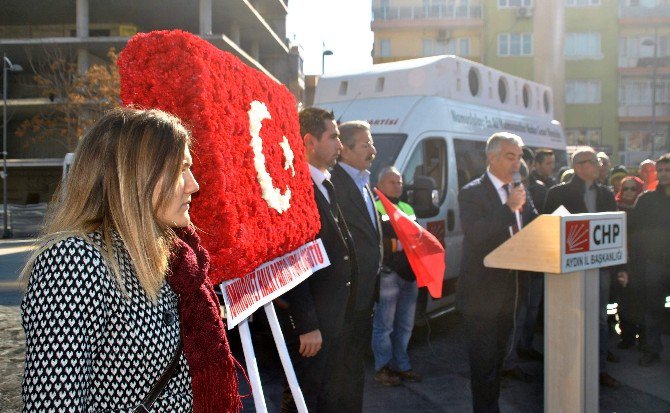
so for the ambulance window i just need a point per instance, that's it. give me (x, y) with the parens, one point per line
(502, 89)
(429, 159)
(388, 147)
(473, 81)
(526, 95)
(470, 160)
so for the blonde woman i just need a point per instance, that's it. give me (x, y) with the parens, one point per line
(118, 286)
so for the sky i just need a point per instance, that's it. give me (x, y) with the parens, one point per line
(343, 26)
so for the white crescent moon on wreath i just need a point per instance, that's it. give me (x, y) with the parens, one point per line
(272, 195)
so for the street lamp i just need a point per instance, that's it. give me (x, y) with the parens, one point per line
(6, 66)
(323, 59)
(649, 42)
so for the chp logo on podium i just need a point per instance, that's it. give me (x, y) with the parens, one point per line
(594, 242)
(255, 208)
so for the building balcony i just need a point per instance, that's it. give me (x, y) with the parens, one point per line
(641, 112)
(635, 65)
(642, 14)
(438, 16)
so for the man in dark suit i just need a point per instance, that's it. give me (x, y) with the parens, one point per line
(314, 313)
(492, 209)
(351, 177)
(580, 195)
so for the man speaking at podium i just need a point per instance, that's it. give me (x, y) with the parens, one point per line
(492, 209)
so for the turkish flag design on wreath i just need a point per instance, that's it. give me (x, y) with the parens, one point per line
(256, 198)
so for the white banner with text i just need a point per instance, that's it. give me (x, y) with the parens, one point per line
(243, 296)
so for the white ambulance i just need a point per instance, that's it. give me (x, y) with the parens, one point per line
(430, 118)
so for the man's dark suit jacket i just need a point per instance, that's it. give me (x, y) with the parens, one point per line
(483, 291)
(367, 237)
(320, 302)
(571, 196)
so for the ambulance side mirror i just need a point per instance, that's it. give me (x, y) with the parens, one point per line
(422, 196)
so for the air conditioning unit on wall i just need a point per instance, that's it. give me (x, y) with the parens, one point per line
(524, 12)
(443, 35)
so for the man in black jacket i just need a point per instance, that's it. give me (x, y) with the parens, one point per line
(584, 194)
(313, 319)
(351, 177)
(650, 221)
(491, 210)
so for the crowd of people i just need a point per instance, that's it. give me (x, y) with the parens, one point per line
(119, 286)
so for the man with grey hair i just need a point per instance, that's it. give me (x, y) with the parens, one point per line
(394, 312)
(351, 177)
(584, 194)
(492, 209)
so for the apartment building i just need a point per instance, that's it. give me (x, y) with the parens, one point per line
(612, 51)
(253, 30)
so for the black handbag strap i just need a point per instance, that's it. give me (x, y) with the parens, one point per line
(160, 384)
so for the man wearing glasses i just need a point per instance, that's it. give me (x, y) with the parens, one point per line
(583, 194)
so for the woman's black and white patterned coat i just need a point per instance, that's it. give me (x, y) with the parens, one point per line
(92, 347)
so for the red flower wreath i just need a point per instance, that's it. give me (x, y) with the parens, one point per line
(256, 198)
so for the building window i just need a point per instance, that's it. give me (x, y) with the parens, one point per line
(582, 3)
(506, 4)
(515, 44)
(464, 47)
(583, 46)
(459, 47)
(582, 92)
(632, 49)
(385, 48)
(583, 136)
(638, 92)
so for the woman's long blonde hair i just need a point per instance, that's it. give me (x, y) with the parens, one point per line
(110, 187)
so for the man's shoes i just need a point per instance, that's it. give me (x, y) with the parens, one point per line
(387, 377)
(529, 354)
(609, 381)
(408, 375)
(649, 358)
(516, 373)
(612, 358)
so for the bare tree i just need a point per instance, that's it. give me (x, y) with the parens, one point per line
(78, 99)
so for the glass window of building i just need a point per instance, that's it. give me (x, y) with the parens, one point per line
(503, 4)
(583, 91)
(464, 47)
(515, 44)
(583, 136)
(582, 3)
(434, 47)
(385, 47)
(583, 46)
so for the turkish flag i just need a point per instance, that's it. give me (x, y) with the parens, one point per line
(424, 252)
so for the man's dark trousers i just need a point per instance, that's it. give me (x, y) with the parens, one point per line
(308, 371)
(350, 376)
(488, 342)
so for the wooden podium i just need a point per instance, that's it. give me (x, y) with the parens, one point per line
(569, 249)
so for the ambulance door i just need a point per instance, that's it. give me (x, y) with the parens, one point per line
(429, 157)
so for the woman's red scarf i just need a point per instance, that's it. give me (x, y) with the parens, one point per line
(211, 364)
